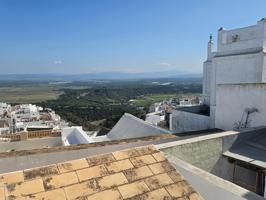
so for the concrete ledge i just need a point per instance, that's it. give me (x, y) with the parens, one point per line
(196, 139)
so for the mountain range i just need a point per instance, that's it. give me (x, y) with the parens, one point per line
(97, 76)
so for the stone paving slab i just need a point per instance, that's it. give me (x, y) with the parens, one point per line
(134, 174)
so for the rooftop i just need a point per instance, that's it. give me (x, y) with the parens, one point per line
(139, 173)
(250, 148)
(130, 126)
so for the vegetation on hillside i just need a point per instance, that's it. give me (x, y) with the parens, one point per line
(109, 101)
(91, 102)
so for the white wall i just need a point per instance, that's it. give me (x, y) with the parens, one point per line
(264, 69)
(207, 67)
(238, 76)
(154, 118)
(232, 100)
(181, 121)
(239, 69)
(249, 37)
(74, 135)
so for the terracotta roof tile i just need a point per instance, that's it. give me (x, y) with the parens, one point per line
(24, 188)
(40, 172)
(135, 174)
(161, 167)
(92, 172)
(112, 181)
(57, 194)
(2, 193)
(77, 191)
(180, 189)
(158, 181)
(142, 160)
(61, 180)
(119, 155)
(133, 189)
(159, 156)
(147, 150)
(18, 198)
(72, 165)
(107, 194)
(102, 159)
(119, 166)
(160, 194)
(175, 176)
(13, 177)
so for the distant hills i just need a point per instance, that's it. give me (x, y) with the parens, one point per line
(97, 76)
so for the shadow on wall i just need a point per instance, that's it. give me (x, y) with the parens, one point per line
(245, 121)
(223, 169)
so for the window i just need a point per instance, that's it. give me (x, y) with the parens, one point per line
(235, 38)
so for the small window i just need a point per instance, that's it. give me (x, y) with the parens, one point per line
(235, 38)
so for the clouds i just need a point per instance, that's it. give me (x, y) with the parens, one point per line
(58, 62)
(165, 64)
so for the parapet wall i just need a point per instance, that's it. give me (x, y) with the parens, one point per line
(205, 152)
(40, 143)
(241, 38)
(181, 121)
(29, 135)
(202, 154)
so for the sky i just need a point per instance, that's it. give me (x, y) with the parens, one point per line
(84, 36)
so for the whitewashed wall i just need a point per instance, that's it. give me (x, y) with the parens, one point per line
(249, 37)
(239, 69)
(232, 100)
(181, 121)
(207, 67)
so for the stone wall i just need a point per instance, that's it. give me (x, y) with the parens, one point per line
(203, 154)
(206, 154)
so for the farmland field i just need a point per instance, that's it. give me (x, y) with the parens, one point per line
(149, 100)
(27, 94)
(85, 103)
(31, 92)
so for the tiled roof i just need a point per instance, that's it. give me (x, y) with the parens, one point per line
(138, 174)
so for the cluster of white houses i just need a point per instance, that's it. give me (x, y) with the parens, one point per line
(28, 117)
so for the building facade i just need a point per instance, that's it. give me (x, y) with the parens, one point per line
(234, 83)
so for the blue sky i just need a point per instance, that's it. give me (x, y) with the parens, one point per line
(80, 36)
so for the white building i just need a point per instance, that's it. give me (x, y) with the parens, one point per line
(4, 107)
(155, 118)
(26, 112)
(234, 84)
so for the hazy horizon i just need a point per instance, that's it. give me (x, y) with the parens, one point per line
(102, 72)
